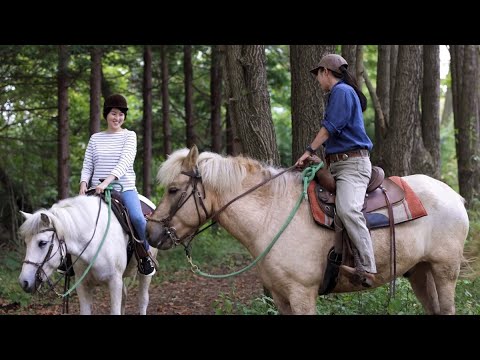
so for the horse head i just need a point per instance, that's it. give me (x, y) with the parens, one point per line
(44, 249)
(185, 205)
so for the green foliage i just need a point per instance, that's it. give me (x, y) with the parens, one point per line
(10, 265)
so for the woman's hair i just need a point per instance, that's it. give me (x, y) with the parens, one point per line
(347, 77)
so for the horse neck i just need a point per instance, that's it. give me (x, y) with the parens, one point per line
(79, 223)
(255, 218)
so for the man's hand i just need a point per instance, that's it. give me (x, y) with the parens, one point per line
(301, 161)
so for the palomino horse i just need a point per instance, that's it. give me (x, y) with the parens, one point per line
(429, 248)
(72, 224)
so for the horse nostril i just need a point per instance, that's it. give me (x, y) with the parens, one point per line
(25, 285)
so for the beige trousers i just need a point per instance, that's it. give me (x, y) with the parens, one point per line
(352, 177)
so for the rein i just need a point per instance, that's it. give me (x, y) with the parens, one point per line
(307, 174)
(108, 199)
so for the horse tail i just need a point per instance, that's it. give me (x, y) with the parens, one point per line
(469, 267)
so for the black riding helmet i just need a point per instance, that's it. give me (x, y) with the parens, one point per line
(115, 101)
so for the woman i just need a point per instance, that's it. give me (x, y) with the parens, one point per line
(109, 156)
(347, 150)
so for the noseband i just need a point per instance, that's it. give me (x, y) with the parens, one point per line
(195, 181)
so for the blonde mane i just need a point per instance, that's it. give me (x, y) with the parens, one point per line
(226, 174)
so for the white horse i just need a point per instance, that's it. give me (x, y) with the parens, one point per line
(70, 224)
(430, 248)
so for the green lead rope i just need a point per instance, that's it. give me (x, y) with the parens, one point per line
(108, 199)
(307, 174)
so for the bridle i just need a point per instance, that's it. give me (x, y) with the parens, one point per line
(62, 247)
(195, 180)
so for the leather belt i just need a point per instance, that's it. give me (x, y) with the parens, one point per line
(331, 158)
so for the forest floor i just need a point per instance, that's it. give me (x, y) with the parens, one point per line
(183, 293)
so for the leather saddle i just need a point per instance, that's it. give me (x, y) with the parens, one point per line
(121, 212)
(374, 199)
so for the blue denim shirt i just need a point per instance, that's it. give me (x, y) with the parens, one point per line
(344, 121)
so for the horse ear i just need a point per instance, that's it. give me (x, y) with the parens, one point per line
(45, 219)
(191, 159)
(26, 215)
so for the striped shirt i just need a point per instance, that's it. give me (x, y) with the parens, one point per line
(111, 154)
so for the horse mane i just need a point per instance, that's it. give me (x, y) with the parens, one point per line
(62, 217)
(226, 173)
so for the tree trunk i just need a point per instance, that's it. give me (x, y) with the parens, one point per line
(63, 130)
(307, 96)
(383, 94)
(250, 102)
(349, 53)
(399, 142)
(465, 71)
(189, 119)
(218, 54)
(167, 131)
(431, 109)
(95, 88)
(147, 121)
(393, 74)
(358, 69)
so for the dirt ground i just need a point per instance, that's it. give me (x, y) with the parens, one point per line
(183, 294)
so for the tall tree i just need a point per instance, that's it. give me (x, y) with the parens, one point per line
(63, 128)
(147, 121)
(465, 94)
(95, 88)
(307, 95)
(431, 111)
(167, 131)
(382, 92)
(218, 52)
(250, 102)
(405, 115)
(189, 117)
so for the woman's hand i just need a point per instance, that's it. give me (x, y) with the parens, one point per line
(83, 188)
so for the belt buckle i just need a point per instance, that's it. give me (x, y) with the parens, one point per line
(344, 157)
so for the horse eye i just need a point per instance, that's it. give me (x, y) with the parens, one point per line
(42, 244)
(172, 190)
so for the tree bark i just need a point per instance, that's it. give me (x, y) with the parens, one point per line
(189, 119)
(250, 102)
(431, 109)
(167, 131)
(399, 142)
(307, 96)
(216, 75)
(147, 121)
(95, 89)
(63, 127)
(465, 72)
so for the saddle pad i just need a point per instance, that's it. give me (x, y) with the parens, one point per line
(409, 209)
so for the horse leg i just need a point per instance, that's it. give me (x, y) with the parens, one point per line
(282, 304)
(143, 296)
(116, 287)
(445, 276)
(124, 297)
(423, 285)
(85, 298)
(304, 301)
